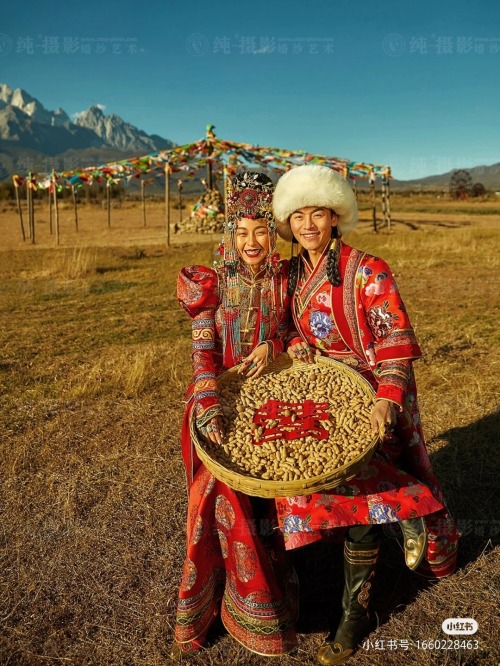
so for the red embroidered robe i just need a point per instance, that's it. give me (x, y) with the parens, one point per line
(363, 322)
(229, 561)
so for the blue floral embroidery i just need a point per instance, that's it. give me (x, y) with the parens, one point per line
(382, 513)
(296, 524)
(321, 324)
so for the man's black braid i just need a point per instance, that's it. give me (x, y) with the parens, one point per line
(293, 272)
(332, 262)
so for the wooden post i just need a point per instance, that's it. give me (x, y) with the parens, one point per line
(50, 207)
(209, 174)
(384, 202)
(56, 205)
(167, 201)
(75, 207)
(179, 187)
(32, 204)
(374, 202)
(143, 187)
(388, 202)
(19, 209)
(28, 205)
(108, 202)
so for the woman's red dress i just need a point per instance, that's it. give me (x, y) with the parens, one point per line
(235, 561)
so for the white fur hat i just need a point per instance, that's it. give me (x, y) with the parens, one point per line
(314, 185)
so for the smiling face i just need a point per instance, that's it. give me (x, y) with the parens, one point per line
(312, 227)
(252, 242)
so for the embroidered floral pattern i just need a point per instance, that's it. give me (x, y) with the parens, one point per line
(321, 324)
(245, 561)
(375, 289)
(323, 298)
(224, 512)
(382, 513)
(380, 319)
(198, 530)
(189, 575)
(296, 524)
(210, 485)
(299, 500)
(261, 597)
(223, 544)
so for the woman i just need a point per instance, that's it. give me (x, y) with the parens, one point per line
(346, 305)
(239, 312)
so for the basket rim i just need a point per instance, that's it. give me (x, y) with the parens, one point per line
(239, 480)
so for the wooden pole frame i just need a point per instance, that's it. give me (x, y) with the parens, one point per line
(167, 201)
(388, 202)
(179, 187)
(143, 199)
(49, 190)
(19, 209)
(210, 175)
(374, 204)
(384, 202)
(108, 202)
(75, 207)
(28, 207)
(56, 206)
(32, 204)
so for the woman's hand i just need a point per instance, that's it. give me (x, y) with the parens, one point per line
(255, 362)
(301, 351)
(383, 417)
(214, 430)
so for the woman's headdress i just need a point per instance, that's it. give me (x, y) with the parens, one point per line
(250, 195)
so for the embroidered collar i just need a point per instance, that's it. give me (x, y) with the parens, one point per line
(309, 280)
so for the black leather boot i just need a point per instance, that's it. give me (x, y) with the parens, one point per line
(359, 569)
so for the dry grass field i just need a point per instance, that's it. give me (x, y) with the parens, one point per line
(94, 360)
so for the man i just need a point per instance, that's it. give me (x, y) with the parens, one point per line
(346, 305)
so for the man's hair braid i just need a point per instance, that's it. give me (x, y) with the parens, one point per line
(332, 262)
(293, 272)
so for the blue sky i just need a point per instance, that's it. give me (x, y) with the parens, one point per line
(414, 84)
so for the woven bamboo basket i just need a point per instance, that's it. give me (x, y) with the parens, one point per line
(252, 484)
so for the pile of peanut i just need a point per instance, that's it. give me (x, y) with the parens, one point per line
(348, 424)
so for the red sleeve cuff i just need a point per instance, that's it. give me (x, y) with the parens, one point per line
(391, 393)
(276, 346)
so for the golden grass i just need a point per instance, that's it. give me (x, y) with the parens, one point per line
(130, 371)
(94, 361)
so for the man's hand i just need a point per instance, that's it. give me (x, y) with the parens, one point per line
(301, 352)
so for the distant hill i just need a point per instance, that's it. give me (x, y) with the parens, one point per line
(489, 176)
(33, 138)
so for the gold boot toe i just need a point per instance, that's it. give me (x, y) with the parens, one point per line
(415, 541)
(333, 653)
